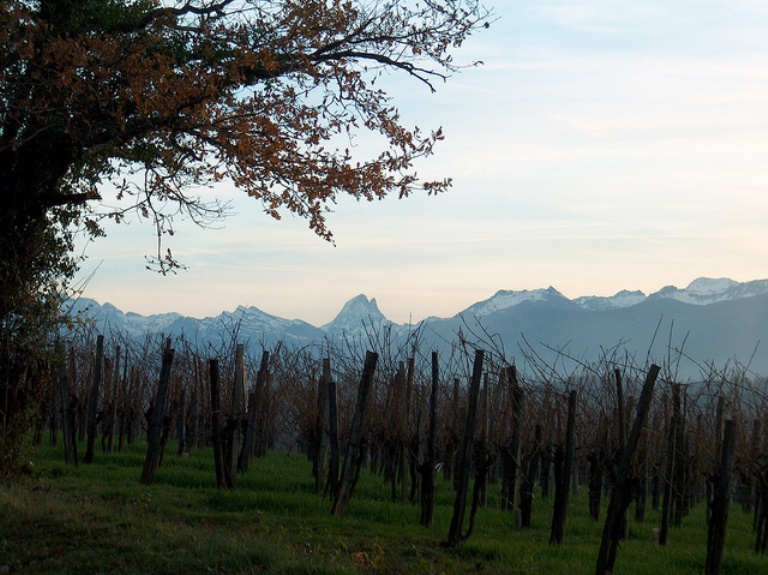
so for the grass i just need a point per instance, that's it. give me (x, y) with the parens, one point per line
(99, 519)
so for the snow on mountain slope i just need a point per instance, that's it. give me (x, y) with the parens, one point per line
(360, 314)
(505, 299)
(624, 298)
(704, 291)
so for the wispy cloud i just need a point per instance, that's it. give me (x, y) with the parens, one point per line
(603, 145)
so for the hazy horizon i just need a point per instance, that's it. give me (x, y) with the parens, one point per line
(602, 146)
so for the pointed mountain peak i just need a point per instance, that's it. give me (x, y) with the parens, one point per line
(356, 313)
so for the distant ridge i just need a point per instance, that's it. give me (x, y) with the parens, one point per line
(721, 321)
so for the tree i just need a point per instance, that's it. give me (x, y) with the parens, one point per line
(267, 94)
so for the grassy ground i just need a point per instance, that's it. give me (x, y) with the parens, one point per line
(98, 519)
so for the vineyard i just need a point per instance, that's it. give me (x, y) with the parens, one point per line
(349, 460)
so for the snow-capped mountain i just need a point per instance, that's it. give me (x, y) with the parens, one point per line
(624, 298)
(704, 291)
(720, 321)
(108, 318)
(358, 315)
(246, 324)
(504, 299)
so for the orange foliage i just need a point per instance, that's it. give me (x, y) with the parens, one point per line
(266, 93)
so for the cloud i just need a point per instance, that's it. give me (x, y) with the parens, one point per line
(602, 146)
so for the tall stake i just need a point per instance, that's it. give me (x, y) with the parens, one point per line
(156, 423)
(93, 402)
(622, 489)
(353, 460)
(333, 439)
(67, 423)
(321, 427)
(669, 478)
(462, 473)
(719, 505)
(216, 431)
(428, 467)
(562, 483)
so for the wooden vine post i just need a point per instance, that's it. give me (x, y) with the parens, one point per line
(510, 450)
(621, 495)
(462, 472)
(563, 473)
(239, 412)
(93, 401)
(321, 428)
(353, 460)
(670, 466)
(156, 423)
(528, 480)
(427, 468)
(67, 417)
(249, 442)
(223, 479)
(720, 499)
(333, 440)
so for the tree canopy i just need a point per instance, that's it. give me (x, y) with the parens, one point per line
(159, 98)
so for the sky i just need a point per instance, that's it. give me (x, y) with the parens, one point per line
(601, 146)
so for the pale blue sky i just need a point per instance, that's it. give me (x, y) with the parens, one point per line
(603, 145)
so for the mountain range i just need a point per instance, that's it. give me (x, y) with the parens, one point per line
(711, 322)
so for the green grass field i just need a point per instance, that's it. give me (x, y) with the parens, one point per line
(98, 519)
